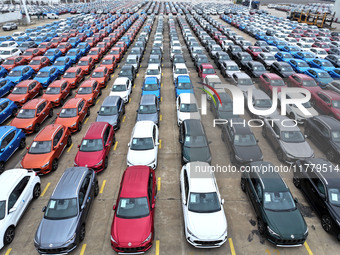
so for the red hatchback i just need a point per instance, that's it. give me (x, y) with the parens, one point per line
(86, 64)
(132, 228)
(95, 146)
(39, 62)
(268, 81)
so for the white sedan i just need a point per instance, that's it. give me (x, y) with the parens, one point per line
(122, 87)
(187, 107)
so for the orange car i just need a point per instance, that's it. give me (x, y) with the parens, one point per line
(74, 76)
(25, 91)
(96, 54)
(86, 64)
(110, 62)
(57, 92)
(117, 52)
(32, 114)
(73, 114)
(43, 154)
(12, 62)
(39, 62)
(89, 91)
(30, 53)
(55, 41)
(104, 46)
(101, 75)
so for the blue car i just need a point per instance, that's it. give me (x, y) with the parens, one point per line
(62, 63)
(291, 49)
(151, 86)
(51, 35)
(183, 84)
(305, 56)
(20, 73)
(335, 73)
(7, 109)
(279, 44)
(22, 39)
(53, 54)
(88, 32)
(283, 56)
(321, 64)
(74, 41)
(126, 39)
(299, 65)
(321, 77)
(84, 48)
(260, 35)
(6, 38)
(11, 139)
(3, 72)
(40, 39)
(269, 39)
(47, 75)
(6, 86)
(74, 55)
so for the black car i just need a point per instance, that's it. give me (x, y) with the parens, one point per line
(282, 69)
(233, 50)
(220, 57)
(324, 131)
(254, 69)
(278, 217)
(242, 58)
(200, 59)
(322, 190)
(222, 111)
(334, 59)
(241, 142)
(194, 144)
(128, 71)
(266, 58)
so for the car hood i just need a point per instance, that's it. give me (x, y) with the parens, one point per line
(226, 115)
(13, 79)
(31, 161)
(287, 223)
(141, 157)
(287, 74)
(207, 225)
(311, 110)
(151, 116)
(22, 123)
(298, 150)
(112, 119)
(17, 97)
(155, 92)
(121, 94)
(134, 231)
(55, 232)
(67, 122)
(88, 159)
(249, 153)
(197, 154)
(189, 115)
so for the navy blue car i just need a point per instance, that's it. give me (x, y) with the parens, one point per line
(3, 72)
(7, 109)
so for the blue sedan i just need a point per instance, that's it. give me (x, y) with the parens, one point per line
(7, 109)
(11, 139)
(6, 86)
(291, 49)
(183, 84)
(269, 39)
(53, 54)
(152, 86)
(335, 73)
(74, 55)
(84, 47)
(62, 63)
(321, 77)
(20, 73)
(47, 75)
(321, 64)
(74, 41)
(283, 56)
(6, 38)
(40, 39)
(299, 65)
(22, 39)
(3, 72)
(279, 44)
(305, 56)
(88, 32)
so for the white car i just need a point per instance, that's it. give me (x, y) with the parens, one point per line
(319, 52)
(154, 70)
(16, 35)
(9, 52)
(291, 41)
(175, 44)
(304, 46)
(158, 44)
(8, 44)
(122, 87)
(18, 188)
(205, 223)
(179, 69)
(307, 40)
(143, 146)
(175, 50)
(187, 107)
(52, 16)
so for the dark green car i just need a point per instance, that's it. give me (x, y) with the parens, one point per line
(278, 217)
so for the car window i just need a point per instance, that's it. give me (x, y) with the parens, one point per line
(16, 193)
(150, 189)
(7, 140)
(186, 184)
(80, 106)
(276, 129)
(57, 137)
(106, 134)
(83, 189)
(322, 129)
(41, 107)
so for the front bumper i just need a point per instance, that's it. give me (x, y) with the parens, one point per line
(131, 250)
(206, 244)
(60, 250)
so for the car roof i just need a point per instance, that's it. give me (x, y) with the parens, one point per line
(46, 68)
(121, 80)
(188, 98)
(240, 129)
(184, 78)
(73, 102)
(135, 181)
(193, 127)
(47, 132)
(241, 75)
(331, 94)
(148, 99)
(34, 103)
(19, 68)
(331, 122)
(110, 100)
(180, 65)
(289, 126)
(260, 94)
(273, 76)
(200, 181)
(143, 128)
(96, 130)
(153, 66)
(207, 66)
(9, 179)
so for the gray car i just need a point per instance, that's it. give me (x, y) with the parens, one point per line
(286, 139)
(222, 111)
(266, 58)
(9, 26)
(134, 61)
(261, 101)
(111, 111)
(148, 109)
(228, 68)
(63, 226)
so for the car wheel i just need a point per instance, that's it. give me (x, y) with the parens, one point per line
(69, 141)
(88, 112)
(82, 233)
(100, 93)
(80, 126)
(261, 227)
(243, 184)
(40, 92)
(50, 114)
(9, 235)
(14, 112)
(36, 191)
(37, 128)
(96, 189)
(22, 143)
(106, 162)
(54, 164)
(264, 132)
(307, 132)
(291, 116)
(326, 223)
(62, 101)
(297, 182)
(330, 154)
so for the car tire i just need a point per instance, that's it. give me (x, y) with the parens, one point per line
(327, 223)
(88, 113)
(40, 92)
(243, 184)
(2, 167)
(14, 112)
(80, 126)
(9, 235)
(22, 143)
(82, 233)
(264, 132)
(330, 154)
(106, 162)
(54, 165)
(96, 188)
(36, 191)
(69, 141)
(37, 128)
(62, 101)
(261, 227)
(291, 116)
(280, 155)
(50, 114)
(297, 182)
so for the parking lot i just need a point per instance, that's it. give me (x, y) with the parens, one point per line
(243, 237)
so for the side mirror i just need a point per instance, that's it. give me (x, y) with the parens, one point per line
(78, 145)
(13, 209)
(2, 150)
(58, 114)
(128, 144)
(114, 207)
(222, 201)
(184, 202)
(296, 200)
(27, 148)
(44, 209)
(153, 206)
(82, 207)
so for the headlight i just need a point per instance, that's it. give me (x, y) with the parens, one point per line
(35, 242)
(29, 126)
(190, 233)
(71, 239)
(22, 100)
(88, 100)
(238, 158)
(46, 164)
(272, 232)
(75, 164)
(148, 238)
(113, 240)
(99, 163)
(307, 229)
(56, 100)
(74, 124)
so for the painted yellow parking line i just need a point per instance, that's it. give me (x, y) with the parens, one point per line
(308, 249)
(69, 149)
(231, 244)
(162, 65)
(45, 189)
(140, 66)
(102, 188)
(161, 84)
(162, 74)
(112, 75)
(134, 85)
(137, 74)
(160, 144)
(159, 183)
(118, 66)
(98, 100)
(161, 99)
(124, 118)
(160, 117)
(86, 120)
(8, 251)
(157, 247)
(83, 249)
(115, 146)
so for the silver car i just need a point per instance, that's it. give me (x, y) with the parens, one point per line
(228, 68)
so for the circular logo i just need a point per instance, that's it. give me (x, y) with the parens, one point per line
(51, 245)
(129, 244)
(292, 236)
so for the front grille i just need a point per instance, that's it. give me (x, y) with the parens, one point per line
(208, 243)
(53, 251)
(290, 241)
(135, 249)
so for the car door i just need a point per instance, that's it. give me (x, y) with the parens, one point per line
(42, 112)
(323, 103)
(85, 198)
(58, 143)
(321, 135)
(152, 194)
(254, 190)
(107, 139)
(185, 195)
(155, 139)
(8, 145)
(273, 134)
(82, 111)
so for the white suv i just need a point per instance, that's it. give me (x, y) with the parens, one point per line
(187, 107)
(179, 69)
(121, 87)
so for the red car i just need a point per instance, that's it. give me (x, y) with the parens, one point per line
(95, 146)
(98, 36)
(304, 81)
(121, 45)
(109, 61)
(109, 40)
(25, 91)
(65, 37)
(133, 221)
(14, 61)
(89, 90)
(268, 81)
(73, 32)
(104, 46)
(92, 41)
(322, 45)
(254, 51)
(101, 75)
(74, 75)
(86, 64)
(39, 62)
(32, 115)
(328, 102)
(30, 53)
(117, 52)
(204, 70)
(82, 36)
(57, 92)
(55, 41)
(64, 47)
(43, 47)
(96, 54)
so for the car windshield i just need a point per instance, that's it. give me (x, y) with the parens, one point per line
(152, 72)
(208, 71)
(61, 46)
(114, 52)
(188, 108)
(233, 68)
(244, 140)
(28, 53)
(184, 85)
(286, 69)
(195, 141)
(309, 83)
(59, 63)
(278, 201)
(81, 46)
(323, 75)
(107, 111)
(68, 113)
(35, 62)
(225, 107)
(58, 209)
(71, 53)
(147, 109)
(259, 68)
(133, 208)
(178, 60)
(144, 143)
(125, 72)
(327, 64)
(84, 90)
(8, 62)
(97, 74)
(40, 147)
(150, 87)
(278, 82)
(131, 61)
(336, 104)
(26, 114)
(42, 74)
(204, 202)
(93, 52)
(53, 90)
(263, 103)
(246, 58)
(185, 71)
(245, 82)
(14, 73)
(83, 63)
(19, 90)
(302, 64)
(2, 209)
(69, 75)
(90, 145)
(107, 61)
(308, 56)
(256, 50)
(292, 136)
